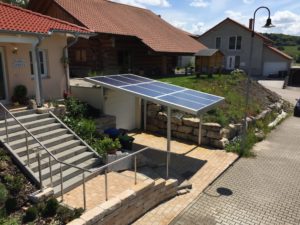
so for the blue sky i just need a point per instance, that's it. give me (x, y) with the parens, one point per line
(197, 16)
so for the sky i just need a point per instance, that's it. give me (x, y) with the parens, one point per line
(197, 16)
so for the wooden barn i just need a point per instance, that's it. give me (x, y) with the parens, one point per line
(209, 61)
(129, 39)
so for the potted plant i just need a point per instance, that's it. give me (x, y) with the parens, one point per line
(126, 141)
(109, 145)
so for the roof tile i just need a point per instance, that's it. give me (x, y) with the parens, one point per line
(21, 20)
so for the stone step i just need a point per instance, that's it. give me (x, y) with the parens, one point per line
(64, 154)
(28, 125)
(35, 131)
(23, 119)
(70, 172)
(55, 166)
(41, 137)
(23, 112)
(56, 141)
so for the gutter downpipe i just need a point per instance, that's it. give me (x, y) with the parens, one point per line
(66, 57)
(37, 69)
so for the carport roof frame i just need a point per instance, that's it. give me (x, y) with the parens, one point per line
(180, 107)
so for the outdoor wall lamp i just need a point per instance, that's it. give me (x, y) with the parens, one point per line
(249, 72)
(15, 50)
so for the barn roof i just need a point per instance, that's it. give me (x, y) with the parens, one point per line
(207, 52)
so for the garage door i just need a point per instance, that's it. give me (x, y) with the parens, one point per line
(274, 67)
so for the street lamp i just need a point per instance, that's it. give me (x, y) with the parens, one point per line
(249, 74)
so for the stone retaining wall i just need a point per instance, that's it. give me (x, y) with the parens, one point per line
(130, 204)
(186, 127)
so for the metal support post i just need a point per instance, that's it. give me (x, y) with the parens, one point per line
(84, 193)
(50, 168)
(6, 128)
(40, 170)
(27, 149)
(135, 169)
(61, 184)
(200, 130)
(168, 141)
(145, 115)
(106, 191)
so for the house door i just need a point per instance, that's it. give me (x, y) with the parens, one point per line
(3, 87)
(230, 62)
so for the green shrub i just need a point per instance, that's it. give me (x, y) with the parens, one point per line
(106, 145)
(75, 108)
(3, 194)
(11, 205)
(236, 145)
(10, 221)
(20, 94)
(31, 214)
(14, 183)
(86, 128)
(65, 215)
(50, 208)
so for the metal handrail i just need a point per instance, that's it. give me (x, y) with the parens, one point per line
(41, 144)
(72, 132)
(98, 170)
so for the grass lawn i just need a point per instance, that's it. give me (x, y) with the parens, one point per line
(232, 87)
(292, 51)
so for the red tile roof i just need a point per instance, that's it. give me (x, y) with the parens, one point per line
(279, 52)
(114, 18)
(239, 24)
(17, 19)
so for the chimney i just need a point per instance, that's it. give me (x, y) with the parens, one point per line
(250, 24)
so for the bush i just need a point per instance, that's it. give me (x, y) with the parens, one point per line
(3, 194)
(236, 145)
(11, 205)
(66, 215)
(50, 208)
(14, 183)
(75, 108)
(20, 94)
(106, 145)
(30, 215)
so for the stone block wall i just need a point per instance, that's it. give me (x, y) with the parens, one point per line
(130, 204)
(186, 127)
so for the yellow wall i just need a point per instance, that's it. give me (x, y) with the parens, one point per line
(54, 84)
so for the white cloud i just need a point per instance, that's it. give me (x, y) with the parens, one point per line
(248, 1)
(144, 3)
(286, 22)
(199, 3)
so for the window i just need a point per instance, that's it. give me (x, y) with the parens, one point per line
(237, 62)
(235, 43)
(43, 63)
(80, 55)
(218, 42)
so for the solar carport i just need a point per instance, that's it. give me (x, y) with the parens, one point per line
(171, 96)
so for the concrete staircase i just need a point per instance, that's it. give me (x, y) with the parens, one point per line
(58, 140)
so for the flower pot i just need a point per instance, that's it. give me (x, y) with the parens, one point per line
(112, 151)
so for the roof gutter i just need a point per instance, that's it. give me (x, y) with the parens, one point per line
(66, 62)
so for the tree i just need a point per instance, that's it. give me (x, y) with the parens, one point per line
(21, 3)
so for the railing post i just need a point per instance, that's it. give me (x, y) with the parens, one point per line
(27, 149)
(84, 193)
(50, 169)
(61, 184)
(40, 170)
(6, 128)
(135, 169)
(106, 191)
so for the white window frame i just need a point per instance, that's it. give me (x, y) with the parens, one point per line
(220, 42)
(235, 43)
(44, 62)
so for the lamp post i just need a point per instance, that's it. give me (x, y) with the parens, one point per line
(249, 74)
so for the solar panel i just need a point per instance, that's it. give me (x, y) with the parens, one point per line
(163, 93)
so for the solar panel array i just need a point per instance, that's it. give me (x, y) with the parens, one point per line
(178, 97)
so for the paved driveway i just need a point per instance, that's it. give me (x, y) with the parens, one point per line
(261, 190)
(289, 94)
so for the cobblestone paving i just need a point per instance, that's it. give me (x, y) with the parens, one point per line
(262, 190)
